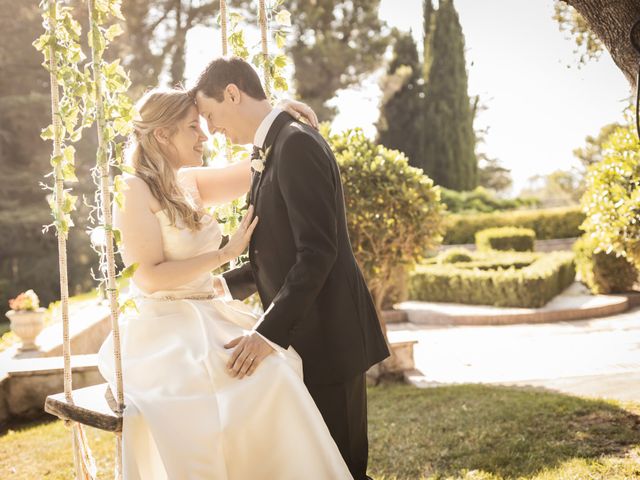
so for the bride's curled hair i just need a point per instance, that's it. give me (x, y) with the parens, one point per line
(162, 108)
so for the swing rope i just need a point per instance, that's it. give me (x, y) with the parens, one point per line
(82, 459)
(225, 50)
(84, 464)
(265, 49)
(105, 215)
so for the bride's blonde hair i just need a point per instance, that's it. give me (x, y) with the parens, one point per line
(162, 108)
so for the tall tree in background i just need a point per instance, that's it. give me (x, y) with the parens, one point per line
(153, 46)
(428, 20)
(400, 124)
(449, 139)
(334, 45)
(28, 259)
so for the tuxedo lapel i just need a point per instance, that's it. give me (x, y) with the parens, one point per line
(280, 121)
(252, 191)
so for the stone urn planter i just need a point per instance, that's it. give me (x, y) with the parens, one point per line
(27, 325)
(400, 361)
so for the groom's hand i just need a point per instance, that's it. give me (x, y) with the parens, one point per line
(250, 351)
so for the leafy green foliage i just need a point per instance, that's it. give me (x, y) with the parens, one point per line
(547, 223)
(506, 238)
(393, 210)
(530, 286)
(603, 272)
(588, 45)
(611, 201)
(592, 152)
(481, 200)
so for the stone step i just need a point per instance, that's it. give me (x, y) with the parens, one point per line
(89, 325)
(26, 383)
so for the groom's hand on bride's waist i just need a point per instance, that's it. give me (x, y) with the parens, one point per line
(250, 351)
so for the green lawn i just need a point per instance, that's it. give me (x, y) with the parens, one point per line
(460, 432)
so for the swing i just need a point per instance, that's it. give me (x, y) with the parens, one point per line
(96, 406)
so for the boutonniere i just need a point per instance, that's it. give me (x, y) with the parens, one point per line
(257, 164)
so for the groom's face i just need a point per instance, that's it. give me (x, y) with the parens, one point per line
(222, 117)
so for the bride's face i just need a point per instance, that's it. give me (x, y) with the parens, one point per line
(187, 141)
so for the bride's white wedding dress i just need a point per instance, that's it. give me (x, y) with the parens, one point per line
(185, 417)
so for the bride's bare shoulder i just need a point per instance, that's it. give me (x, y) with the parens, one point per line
(137, 190)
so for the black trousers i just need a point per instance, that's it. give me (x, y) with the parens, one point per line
(344, 409)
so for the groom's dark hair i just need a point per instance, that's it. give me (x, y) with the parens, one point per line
(225, 70)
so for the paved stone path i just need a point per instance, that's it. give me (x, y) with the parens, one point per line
(596, 357)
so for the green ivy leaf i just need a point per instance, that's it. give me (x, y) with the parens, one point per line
(69, 203)
(281, 39)
(117, 236)
(129, 304)
(69, 154)
(47, 133)
(56, 160)
(129, 271)
(69, 173)
(280, 61)
(113, 31)
(283, 17)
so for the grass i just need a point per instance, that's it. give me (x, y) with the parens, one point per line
(469, 432)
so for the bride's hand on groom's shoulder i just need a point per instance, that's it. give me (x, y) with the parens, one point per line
(301, 111)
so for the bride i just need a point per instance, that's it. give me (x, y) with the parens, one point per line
(186, 418)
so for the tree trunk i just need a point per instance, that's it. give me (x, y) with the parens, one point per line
(611, 21)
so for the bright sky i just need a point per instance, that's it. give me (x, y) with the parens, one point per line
(540, 106)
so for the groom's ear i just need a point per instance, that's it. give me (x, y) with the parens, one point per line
(232, 93)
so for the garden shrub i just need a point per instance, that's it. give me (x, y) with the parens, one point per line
(529, 287)
(603, 272)
(611, 200)
(506, 238)
(394, 211)
(563, 222)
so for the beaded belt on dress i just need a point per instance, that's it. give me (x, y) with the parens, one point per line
(197, 296)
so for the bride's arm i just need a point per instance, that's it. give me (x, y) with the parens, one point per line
(217, 185)
(142, 244)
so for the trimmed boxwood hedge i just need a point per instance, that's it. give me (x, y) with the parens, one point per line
(455, 255)
(506, 238)
(529, 287)
(548, 223)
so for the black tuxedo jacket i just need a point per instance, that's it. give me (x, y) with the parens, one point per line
(301, 260)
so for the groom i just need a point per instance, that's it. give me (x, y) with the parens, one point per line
(301, 261)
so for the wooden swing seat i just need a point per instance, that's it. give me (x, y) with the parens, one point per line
(92, 406)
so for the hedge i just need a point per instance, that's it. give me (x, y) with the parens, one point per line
(603, 272)
(529, 287)
(548, 223)
(506, 238)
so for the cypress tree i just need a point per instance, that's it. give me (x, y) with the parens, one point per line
(428, 16)
(400, 123)
(449, 139)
